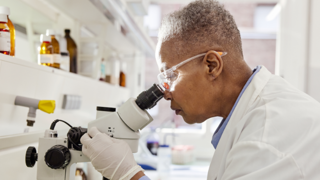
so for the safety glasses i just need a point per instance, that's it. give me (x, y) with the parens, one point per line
(167, 77)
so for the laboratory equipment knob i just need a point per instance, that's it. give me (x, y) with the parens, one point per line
(57, 157)
(31, 156)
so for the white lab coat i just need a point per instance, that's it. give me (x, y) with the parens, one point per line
(273, 133)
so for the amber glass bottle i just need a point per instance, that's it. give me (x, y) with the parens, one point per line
(12, 38)
(122, 77)
(56, 57)
(56, 52)
(55, 45)
(72, 48)
(4, 38)
(80, 174)
(5, 43)
(46, 52)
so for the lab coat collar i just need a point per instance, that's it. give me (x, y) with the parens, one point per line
(250, 94)
(218, 133)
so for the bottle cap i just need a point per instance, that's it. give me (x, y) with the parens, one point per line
(3, 18)
(4, 10)
(50, 32)
(80, 165)
(45, 38)
(164, 146)
(67, 30)
(123, 66)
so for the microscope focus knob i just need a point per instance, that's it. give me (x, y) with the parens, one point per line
(57, 157)
(31, 156)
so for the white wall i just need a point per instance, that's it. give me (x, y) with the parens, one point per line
(298, 49)
(135, 79)
(313, 87)
(23, 50)
(293, 41)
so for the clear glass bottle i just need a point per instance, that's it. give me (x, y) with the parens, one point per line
(5, 42)
(102, 70)
(112, 76)
(164, 161)
(72, 48)
(45, 54)
(55, 49)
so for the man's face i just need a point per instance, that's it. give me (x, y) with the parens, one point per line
(193, 92)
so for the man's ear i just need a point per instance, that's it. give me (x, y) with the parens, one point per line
(214, 64)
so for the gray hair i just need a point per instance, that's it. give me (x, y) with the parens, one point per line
(202, 22)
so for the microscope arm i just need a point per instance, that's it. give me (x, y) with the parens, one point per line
(77, 156)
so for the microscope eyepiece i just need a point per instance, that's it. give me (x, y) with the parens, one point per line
(149, 98)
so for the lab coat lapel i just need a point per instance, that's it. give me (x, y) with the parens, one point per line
(233, 129)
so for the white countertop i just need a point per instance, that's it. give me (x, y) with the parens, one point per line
(196, 171)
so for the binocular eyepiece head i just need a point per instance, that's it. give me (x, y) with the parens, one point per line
(149, 98)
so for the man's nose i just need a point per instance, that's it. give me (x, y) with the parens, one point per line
(167, 95)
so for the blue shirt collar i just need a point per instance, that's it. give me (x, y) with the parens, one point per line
(218, 133)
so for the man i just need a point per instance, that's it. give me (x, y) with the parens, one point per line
(270, 129)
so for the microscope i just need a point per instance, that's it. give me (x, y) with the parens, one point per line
(57, 157)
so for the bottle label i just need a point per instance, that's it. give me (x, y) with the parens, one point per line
(78, 178)
(56, 58)
(5, 41)
(65, 63)
(46, 58)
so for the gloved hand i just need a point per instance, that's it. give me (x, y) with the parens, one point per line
(113, 158)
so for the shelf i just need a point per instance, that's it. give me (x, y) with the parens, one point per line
(87, 57)
(88, 15)
(22, 13)
(45, 14)
(86, 19)
(23, 78)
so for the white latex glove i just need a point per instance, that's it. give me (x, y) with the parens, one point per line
(113, 158)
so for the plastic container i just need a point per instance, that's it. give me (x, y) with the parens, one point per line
(164, 161)
(5, 41)
(182, 154)
(153, 142)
